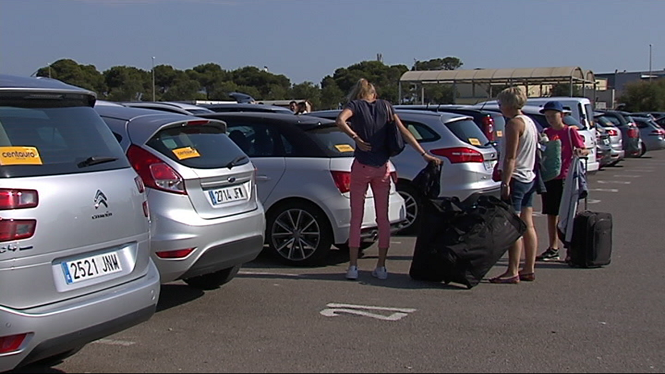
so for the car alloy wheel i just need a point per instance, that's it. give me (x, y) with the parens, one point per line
(299, 234)
(412, 202)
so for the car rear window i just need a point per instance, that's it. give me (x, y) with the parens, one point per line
(40, 137)
(333, 141)
(199, 147)
(468, 132)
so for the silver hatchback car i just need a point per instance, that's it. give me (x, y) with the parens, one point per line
(303, 175)
(206, 217)
(468, 156)
(74, 229)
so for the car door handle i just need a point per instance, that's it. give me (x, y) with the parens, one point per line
(262, 178)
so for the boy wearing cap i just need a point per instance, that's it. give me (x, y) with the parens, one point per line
(572, 144)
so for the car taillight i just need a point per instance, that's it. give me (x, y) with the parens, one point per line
(197, 122)
(154, 172)
(11, 343)
(18, 199)
(612, 132)
(178, 253)
(16, 229)
(342, 180)
(633, 132)
(488, 126)
(459, 154)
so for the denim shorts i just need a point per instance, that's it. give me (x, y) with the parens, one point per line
(521, 194)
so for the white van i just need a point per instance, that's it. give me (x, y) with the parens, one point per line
(581, 109)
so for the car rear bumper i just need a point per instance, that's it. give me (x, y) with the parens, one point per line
(218, 244)
(69, 325)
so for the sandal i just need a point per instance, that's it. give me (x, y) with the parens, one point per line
(528, 277)
(511, 280)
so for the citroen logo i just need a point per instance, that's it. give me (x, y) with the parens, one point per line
(100, 199)
(231, 179)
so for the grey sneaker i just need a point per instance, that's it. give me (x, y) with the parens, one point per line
(549, 255)
(380, 272)
(352, 273)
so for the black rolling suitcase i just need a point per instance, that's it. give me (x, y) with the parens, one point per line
(461, 242)
(591, 242)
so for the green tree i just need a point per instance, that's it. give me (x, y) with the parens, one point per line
(563, 89)
(210, 76)
(385, 78)
(126, 83)
(447, 63)
(331, 95)
(644, 96)
(182, 88)
(70, 72)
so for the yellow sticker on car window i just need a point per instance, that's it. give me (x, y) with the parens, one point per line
(474, 141)
(344, 148)
(185, 153)
(499, 133)
(19, 156)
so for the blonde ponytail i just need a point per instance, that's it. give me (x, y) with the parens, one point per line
(362, 90)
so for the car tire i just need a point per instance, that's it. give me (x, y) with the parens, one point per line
(214, 280)
(286, 239)
(643, 150)
(413, 201)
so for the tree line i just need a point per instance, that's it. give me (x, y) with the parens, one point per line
(211, 82)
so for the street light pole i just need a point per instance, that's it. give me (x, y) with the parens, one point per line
(153, 78)
(649, 63)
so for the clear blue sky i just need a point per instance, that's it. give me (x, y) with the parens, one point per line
(308, 39)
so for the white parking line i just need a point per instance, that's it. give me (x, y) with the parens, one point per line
(604, 189)
(593, 201)
(334, 310)
(628, 176)
(614, 182)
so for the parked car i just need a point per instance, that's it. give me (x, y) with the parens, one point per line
(303, 179)
(468, 158)
(168, 106)
(201, 187)
(246, 107)
(617, 153)
(652, 135)
(603, 147)
(632, 142)
(74, 229)
(491, 123)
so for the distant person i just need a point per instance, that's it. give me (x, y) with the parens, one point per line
(302, 108)
(293, 105)
(368, 118)
(572, 144)
(517, 161)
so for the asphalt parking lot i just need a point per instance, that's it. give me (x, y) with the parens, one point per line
(273, 318)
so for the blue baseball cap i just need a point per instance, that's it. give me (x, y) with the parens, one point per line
(552, 105)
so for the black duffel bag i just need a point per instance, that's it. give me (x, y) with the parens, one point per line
(461, 241)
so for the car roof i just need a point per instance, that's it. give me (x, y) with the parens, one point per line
(13, 82)
(444, 116)
(262, 107)
(307, 120)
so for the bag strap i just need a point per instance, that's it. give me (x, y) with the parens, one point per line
(389, 112)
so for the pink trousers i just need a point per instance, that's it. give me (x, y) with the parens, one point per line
(378, 178)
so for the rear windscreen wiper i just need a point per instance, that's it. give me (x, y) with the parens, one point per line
(95, 160)
(235, 161)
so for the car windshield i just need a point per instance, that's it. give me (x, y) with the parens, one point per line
(199, 147)
(51, 137)
(333, 141)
